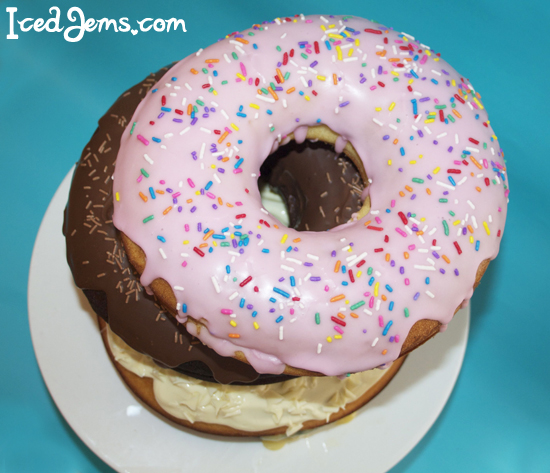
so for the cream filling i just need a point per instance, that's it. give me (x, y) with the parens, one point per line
(248, 408)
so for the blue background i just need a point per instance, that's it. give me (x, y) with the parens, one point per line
(52, 93)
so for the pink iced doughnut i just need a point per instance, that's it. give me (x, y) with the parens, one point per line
(333, 302)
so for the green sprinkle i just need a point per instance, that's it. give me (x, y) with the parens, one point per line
(200, 102)
(224, 82)
(304, 55)
(151, 217)
(195, 109)
(443, 201)
(144, 172)
(278, 48)
(446, 228)
(317, 318)
(396, 79)
(484, 145)
(364, 64)
(205, 70)
(225, 243)
(211, 89)
(264, 90)
(250, 33)
(133, 126)
(451, 213)
(234, 54)
(406, 312)
(272, 129)
(440, 107)
(450, 117)
(272, 85)
(369, 271)
(234, 279)
(356, 306)
(418, 180)
(287, 75)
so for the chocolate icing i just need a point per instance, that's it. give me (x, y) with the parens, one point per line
(100, 266)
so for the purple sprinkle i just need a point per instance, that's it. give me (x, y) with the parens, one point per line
(194, 121)
(271, 310)
(392, 263)
(386, 137)
(446, 193)
(333, 254)
(221, 170)
(205, 115)
(442, 271)
(450, 149)
(456, 272)
(435, 142)
(241, 251)
(258, 236)
(379, 70)
(161, 115)
(180, 208)
(420, 134)
(214, 206)
(436, 255)
(315, 278)
(309, 83)
(177, 120)
(401, 270)
(424, 99)
(281, 279)
(416, 296)
(250, 306)
(313, 64)
(363, 80)
(343, 104)
(364, 330)
(413, 197)
(429, 176)
(307, 263)
(464, 231)
(400, 169)
(193, 209)
(234, 242)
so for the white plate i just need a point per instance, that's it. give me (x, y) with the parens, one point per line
(130, 438)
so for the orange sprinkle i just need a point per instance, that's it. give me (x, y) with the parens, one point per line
(394, 59)
(297, 240)
(446, 259)
(143, 196)
(234, 335)
(387, 256)
(259, 92)
(428, 191)
(273, 94)
(224, 160)
(409, 188)
(471, 230)
(189, 201)
(158, 191)
(229, 205)
(354, 315)
(474, 160)
(478, 189)
(455, 112)
(194, 71)
(166, 210)
(292, 89)
(276, 226)
(225, 133)
(337, 266)
(342, 316)
(368, 222)
(384, 352)
(189, 109)
(381, 53)
(335, 79)
(203, 245)
(337, 298)
(401, 193)
(242, 40)
(220, 201)
(406, 255)
(208, 61)
(208, 235)
(384, 298)
(395, 141)
(280, 75)
(420, 232)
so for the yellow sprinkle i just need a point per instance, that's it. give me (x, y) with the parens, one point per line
(233, 323)
(235, 127)
(350, 52)
(323, 78)
(337, 337)
(376, 289)
(453, 83)
(256, 326)
(427, 52)
(214, 243)
(240, 76)
(337, 36)
(431, 120)
(411, 81)
(471, 239)
(479, 103)
(117, 197)
(389, 162)
(213, 166)
(392, 106)
(253, 105)
(436, 170)
(329, 339)
(185, 242)
(456, 222)
(412, 162)
(357, 42)
(339, 51)
(307, 97)
(198, 193)
(378, 109)
(486, 228)
(323, 27)
(358, 275)
(215, 92)
(396, 74)
(285, 236)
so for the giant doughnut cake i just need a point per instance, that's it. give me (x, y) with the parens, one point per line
(268, 301)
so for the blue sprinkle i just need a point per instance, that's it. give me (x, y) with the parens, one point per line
(280, 291)
(228, 269)
(184, 308)
(389, 288)
(265, 250)
(477, 245)
(156, 140)
(391, 306)
(344, 283)
(152, 192)
(451, 180)
(238, 163)
(387, 327)
(292, 281)
(402, 150)
(166, 109)
(327, 43)
(435, 82)
(371, 281)
(272, 299)
(161, 238)
(241, 304)
(427, 280)
(278, 319)
(255, 313)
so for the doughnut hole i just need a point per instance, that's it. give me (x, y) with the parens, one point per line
(311, 187)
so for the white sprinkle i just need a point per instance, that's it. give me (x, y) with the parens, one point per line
(425, 268)
(169, 135)
(232, 296)
(201, 154)
(178, 288)
(148, 159)
(225, 115)
(226, 57)
(293, 260)
(284, 103)
(178, 306)
(430, 294)
(423, 250)
(428, 130)
(367, 311)
(303, 81)
(375, 342)
(260, 243)
(346, 248)
(264, 211)
(281, 332)
(217, 179)
(431, 261)
(265, 99)
(297, 291)
(241, 50)
(324, 19)
(206, 130)
(356, 260)
(234, 253)
(447, 186)
(308, 275)
(283, 35)
(287, 268)
(432, 231)
(378, 302)
(462, 181)
(216, 285)
(319, 348)
(392, 126)
(490, 218)
(188, 86)
(313, 257)
(378, 122)
(349, 59)
(185, 255)
(436, 72)
(293, 63)
(185, 130)
(198, 53)
(441, 135)
(162, 253)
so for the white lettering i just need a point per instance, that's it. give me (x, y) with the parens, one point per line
(124, 25)
(11, 11)
(54, 21)
(142, 22)
(160, 23)
(22, 26)
(107, 22)
(176, 23)
(80, 27)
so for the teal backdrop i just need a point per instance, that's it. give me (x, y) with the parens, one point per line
(52, 93)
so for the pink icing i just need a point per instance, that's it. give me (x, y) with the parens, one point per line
(420, 169)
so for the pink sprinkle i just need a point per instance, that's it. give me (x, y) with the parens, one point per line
(393, 203)
(184, 264)
(401, 232)
(186, 227)
(227, 311)
(326, 288)
(407, 282)
(372, 87)
(474, 105)
(396, 339)
(411, 247)
(378, 220)
(338, 329)
(143, 140)
(243, 69)
(237, 171)
(209, 194)
(424, 59)
(380, 321)
(162, 181)
(228, 130)
(371, 302)
(238, 204)
(140, 178)
(250, 81)
(485, 164)
(190, 182)
(291, 311)
(309, 21)
(366, 294)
